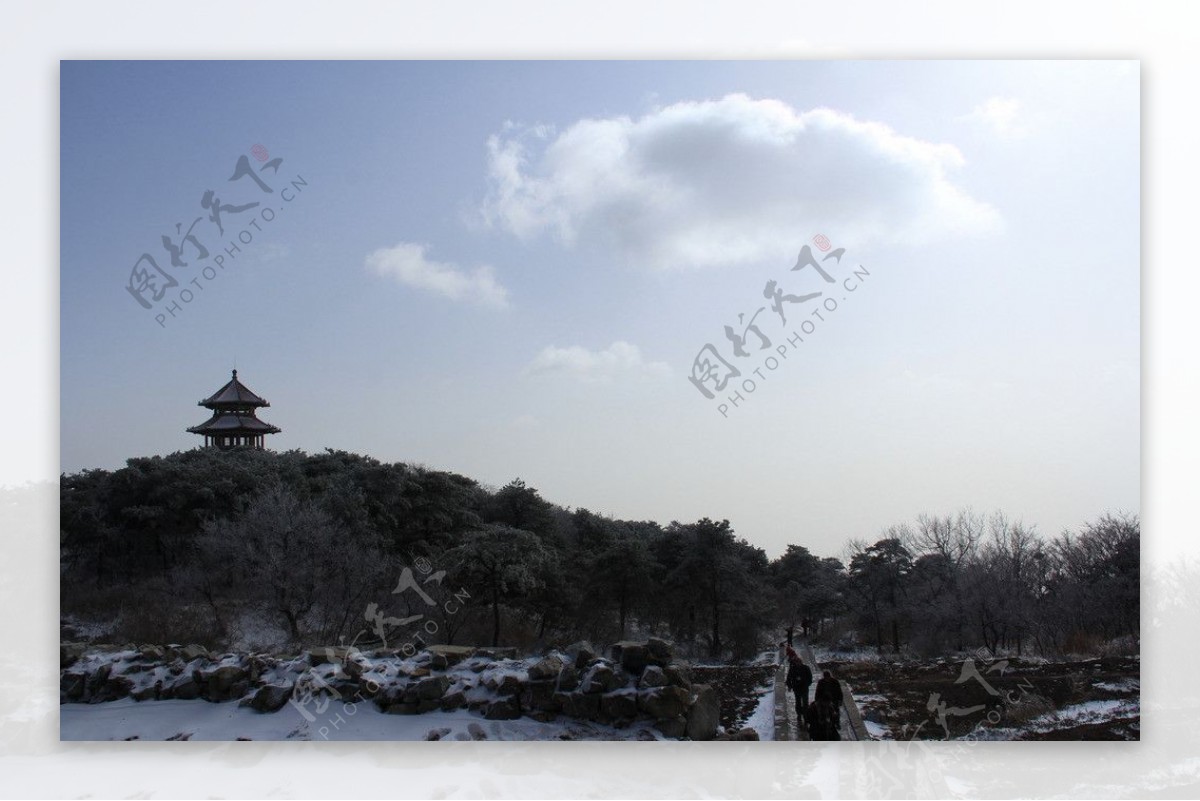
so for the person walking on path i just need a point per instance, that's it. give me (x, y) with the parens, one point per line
(799, 677)
(829, 691)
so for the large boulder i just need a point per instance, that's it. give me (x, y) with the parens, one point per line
(580, 705)
(601, 678)
(659, 652)
(672, 727)
(678, 676)
(503, 709)
(568, 678)
(630, 655)
(71, 685)
(150, 692)
(96, 680)
(432, 688)
(539, 695)
(113, 689)
(70, 652)
(226, 682)
(330, 653)
(152, 653)
(270, 697)
(581, 652)
(547, 668)
(705, 714)
(652, 676)
(620, 707)
(193, 651)
(186, 688)
(444, 656)
(454, 700)
(504, 683)
(664, 702)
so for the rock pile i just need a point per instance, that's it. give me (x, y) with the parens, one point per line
(637, 681)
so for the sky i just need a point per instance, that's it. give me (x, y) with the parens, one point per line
(516, 269)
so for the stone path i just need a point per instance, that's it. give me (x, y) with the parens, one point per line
(787, 727)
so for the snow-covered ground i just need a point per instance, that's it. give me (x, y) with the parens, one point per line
(763, 719)
(127, 719)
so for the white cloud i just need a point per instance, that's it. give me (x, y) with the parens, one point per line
(406, 262)
(1000, 114)
(619, 358)
(725, 183)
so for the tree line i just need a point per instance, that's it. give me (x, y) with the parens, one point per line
(227, 547)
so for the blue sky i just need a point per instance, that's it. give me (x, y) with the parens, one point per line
(507, 269)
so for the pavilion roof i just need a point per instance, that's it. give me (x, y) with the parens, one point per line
(224, 423)
(234, 395)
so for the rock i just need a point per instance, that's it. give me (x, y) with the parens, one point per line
(428, 706)
(678, 676)
(71, 685)
(389, 694)
(151, 652)
(581, 652)
(194, 651)
(270, 697)
(580, 705)
(601, 678)
(672, 727)
(476, 731)
(652, 676)
(432, 688)
(402, 709)
(543, 716)
(95, 682)
(539, 695)
(568, 678)
(705, 714)
(630, 655)
(659, 652)
(113, 689)
(506, 652)
(511, 684)
(439, 662)
(620, 706)
(503, 709)
(741, 735)
(547, 668)
(646, 735)
(354, 666)
(226, 682)
(450, 654)
(663, 702)
(436, 734)
(454, 700)
(151, 692)
(338, 654)
(70, 652)
(187, 689)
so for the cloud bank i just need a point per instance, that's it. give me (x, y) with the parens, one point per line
(725, 183)
(407, 264)
(618, 359)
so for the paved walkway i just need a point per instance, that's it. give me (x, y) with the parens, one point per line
(787, 727)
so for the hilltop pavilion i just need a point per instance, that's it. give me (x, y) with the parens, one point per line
(233, 423)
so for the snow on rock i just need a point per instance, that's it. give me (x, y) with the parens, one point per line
(570, 694)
